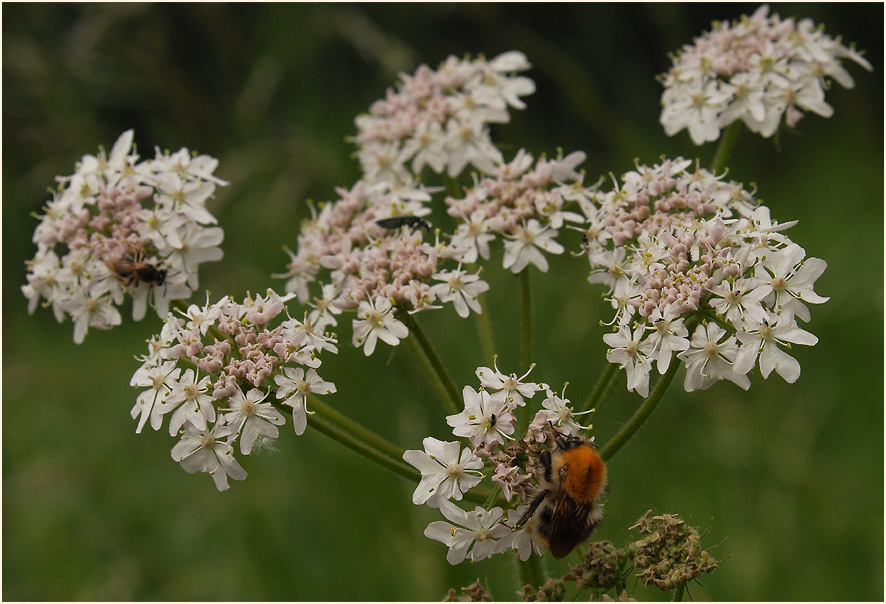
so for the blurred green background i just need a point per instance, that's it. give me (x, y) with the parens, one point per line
(792, 475)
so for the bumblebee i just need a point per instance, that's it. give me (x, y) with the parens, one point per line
(566, 506)
(132, 270)
(395, 222)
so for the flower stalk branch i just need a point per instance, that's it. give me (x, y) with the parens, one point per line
(526, 313)
(431, 363)
(640, 416)
(724, 149)
(600, 388)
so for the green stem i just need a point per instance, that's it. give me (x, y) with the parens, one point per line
(484, 329)
(641, 415)
(532, 571)
(452, 187)
(727, 142)
(678, 593)
(600, 388)
(350, 426)
(432, 364)
(526, 308)
(321, 424)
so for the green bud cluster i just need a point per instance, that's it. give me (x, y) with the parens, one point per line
(670, 554)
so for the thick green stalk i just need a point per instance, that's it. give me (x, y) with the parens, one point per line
(373, 447)
(724, 149)
(452, 187)
(350, 426)
(432, 364)
(532, 571)
(526, 313)
(321, 424)
(484, 330)
(600, 388)
(678, 593)
(640, 416)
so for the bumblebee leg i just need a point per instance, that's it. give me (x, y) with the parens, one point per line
(528, 514)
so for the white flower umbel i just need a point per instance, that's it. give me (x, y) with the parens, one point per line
(294, 387)
(461, 289)
(764, 339)
(508, 388)
(708, 359)
(251, 418)
(122, 227)
(439, 118)
(478, 527)
(161, 379)
(760, 69)
(204, 451)
(686, 246)
(557, 411)
(443, 470)
(484, 421)
(524, 247)
(631, 353)
(375, 322)
(243, 353)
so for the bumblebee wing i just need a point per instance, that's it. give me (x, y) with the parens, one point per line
(571, 523)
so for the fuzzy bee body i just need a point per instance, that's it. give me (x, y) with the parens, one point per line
(566, 507)
(395, 222)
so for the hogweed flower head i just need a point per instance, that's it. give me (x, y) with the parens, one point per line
(439, 119)
(122, 227)
(685, 245)
(224, 372)
(488, 425)
(762, 69)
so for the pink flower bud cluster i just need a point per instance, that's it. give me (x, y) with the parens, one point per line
(521, 204)
(373, 269)
(675, 247)
(118, 227)
(223, 371)
(487, 424)
(760, 69)
(440, 118)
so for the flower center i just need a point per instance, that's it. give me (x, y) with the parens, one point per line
(208, 441)
(248, 407)
(711, 348)
(455, 470)
(779, 284)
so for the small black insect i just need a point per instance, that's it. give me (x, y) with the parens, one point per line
(395, 222)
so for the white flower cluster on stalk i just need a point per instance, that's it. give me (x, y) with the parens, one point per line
(488, 424)
(378, 270)
(440, 118)
(221, 372)
(760, 69)
(119, 227)
(672, 245)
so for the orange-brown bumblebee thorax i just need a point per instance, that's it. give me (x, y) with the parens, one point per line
(582, 473)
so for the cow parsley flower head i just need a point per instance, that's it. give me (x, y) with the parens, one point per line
(683, 247)
(244, 363)
(119, 227)
(762, 70)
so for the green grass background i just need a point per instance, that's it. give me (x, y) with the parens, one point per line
(792, 475)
